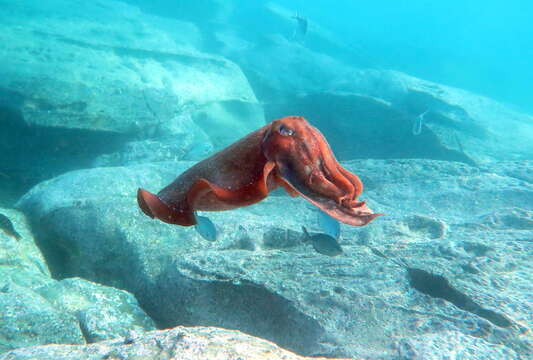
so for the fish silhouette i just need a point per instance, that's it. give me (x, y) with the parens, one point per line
(419, 121)
(323, 243)
(7, 227)
(205, 227)
(302, 24)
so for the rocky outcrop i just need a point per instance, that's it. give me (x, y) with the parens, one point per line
(35, 309)
(181, 342)
(375, 114)
(130, 75)
(448, 226)
(102, 312)
(69, 93)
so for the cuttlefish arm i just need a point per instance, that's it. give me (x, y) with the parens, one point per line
(287, 152)
(307, 166)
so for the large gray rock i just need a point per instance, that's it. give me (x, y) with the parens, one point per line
(129, 76)
(372, 114)
(27, 318)
(102, 312)
(187, 141)
(35, 309)
(360, 127)
(103, 74)
(179, 343)
(463, 235)
(375, 110)
(21, 261)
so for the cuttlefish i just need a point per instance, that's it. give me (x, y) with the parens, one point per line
(287, 152)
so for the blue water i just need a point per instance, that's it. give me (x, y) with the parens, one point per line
(482, 46)
(159, 160)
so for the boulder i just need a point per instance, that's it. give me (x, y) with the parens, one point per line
(448, 226)
(102, 312)
(186, 141)
(129, 76)
(375, 114)
(21, 261)
(28, 319)
(119, 78)
(36, 309)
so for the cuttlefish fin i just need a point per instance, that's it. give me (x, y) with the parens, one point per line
(154, 207)
(242, 196)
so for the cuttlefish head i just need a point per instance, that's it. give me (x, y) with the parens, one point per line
(305, 162)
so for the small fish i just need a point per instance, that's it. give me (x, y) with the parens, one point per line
(323, 243)
(329, 225)
(378, 253)
(206, 228)
(7, 227)
(301, 28)
(400, 262)
(419, 121)
(302, 23)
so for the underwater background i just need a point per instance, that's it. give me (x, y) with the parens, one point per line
(429, 103)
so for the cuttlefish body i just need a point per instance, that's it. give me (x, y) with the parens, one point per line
(287, 152)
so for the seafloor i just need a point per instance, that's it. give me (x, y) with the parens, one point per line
(98, 98)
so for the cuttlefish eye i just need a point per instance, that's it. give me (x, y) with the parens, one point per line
(285, 131)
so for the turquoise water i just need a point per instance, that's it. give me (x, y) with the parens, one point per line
(482, 46)
(346, 180)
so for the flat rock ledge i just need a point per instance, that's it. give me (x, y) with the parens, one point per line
(182, 343)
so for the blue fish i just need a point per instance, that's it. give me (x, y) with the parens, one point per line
(206, 228)
(419, 121)
(329, 225)
(323, 243)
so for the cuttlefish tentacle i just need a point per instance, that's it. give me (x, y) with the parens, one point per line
(324, 186)
(305, 160)
(346, 184)
(324, 176)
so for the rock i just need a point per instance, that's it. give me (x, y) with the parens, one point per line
(361, 127)
(181, 342)
(28, 319)
(21, 262)
(35, 309)
(186, 142)
(150, 79)
(265, 282)
(452, 345)
(200, 12)
(120, 78)
(371, 114)
(103, 312)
